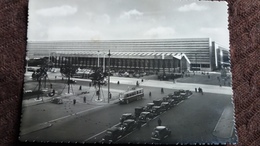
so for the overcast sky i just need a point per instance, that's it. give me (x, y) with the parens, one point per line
(127, 19)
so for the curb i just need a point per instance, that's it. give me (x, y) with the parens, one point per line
(35, 128)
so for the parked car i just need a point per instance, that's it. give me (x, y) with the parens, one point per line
(158, 102)
(145, 116)
(188, 92)
(138, 111)
(126, 116)
(156, 110)
(160, 132)
(183, 93)
(165, 106)
(112, 135)
(57, 100)
(129, 125)
(148, 107)
(166, 98)
(172, 102)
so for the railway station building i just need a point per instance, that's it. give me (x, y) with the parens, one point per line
(156, 55)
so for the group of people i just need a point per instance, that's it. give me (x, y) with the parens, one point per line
(199, 90)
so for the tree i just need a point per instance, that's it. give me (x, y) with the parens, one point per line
(68, 71)
(98, 78)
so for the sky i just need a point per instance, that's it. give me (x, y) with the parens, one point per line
(51, 20)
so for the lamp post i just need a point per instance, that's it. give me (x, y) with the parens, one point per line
(196, 60)
(98, 60)
(104, 62)
(108, 85)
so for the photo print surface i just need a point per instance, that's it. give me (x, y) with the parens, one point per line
(128, 71)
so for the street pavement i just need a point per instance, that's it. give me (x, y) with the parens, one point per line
(92, 100)
(132, 82)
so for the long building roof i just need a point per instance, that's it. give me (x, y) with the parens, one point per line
(136, 55)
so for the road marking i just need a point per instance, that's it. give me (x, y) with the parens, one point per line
(94, 136)
(72, 114)
(224, 127)
(88, 110)
(59, 119)
(179, 102)
(99, 133)
(190, 96)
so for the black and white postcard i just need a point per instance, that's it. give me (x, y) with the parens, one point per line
(128, 71)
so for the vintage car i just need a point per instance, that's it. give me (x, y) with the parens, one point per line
(165, 106)
(172, 102)
(188, 92)
(145, 116)
(126, 116)
(138, 111)
(177, 98)
(156, 110)
(129, 125)
(112, 134)
(183, 93)
(148, 107)
(160, 132)
(166, 98)
(57, 100)
(158, 102)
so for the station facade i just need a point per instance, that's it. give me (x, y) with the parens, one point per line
(152, 62)
(201, 53)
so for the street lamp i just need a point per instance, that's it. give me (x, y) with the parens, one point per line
(104, 62)
(108, 76)
(98, 59)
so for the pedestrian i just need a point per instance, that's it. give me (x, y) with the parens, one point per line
(51, 85)
(162, 90)
(199, 89)
(110, 95)
(74, 101)
(118, 82)
(84, 99)
(209, 76)
(196, 90)
(80, 87)
(89, 84)
(150, 94)
(142, 80)
(137, 84)
(159, 122)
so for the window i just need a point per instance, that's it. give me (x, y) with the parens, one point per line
(205, 65)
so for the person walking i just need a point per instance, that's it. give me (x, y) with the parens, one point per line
(162, 90)
(84, 98)
(150, 94)
(196, 90)
(159, 122)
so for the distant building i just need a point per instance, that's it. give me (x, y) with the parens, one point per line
(199, 53)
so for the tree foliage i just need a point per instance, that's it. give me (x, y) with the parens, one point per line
(98, 77)
(68, 71)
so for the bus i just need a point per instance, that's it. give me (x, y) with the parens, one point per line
(132, 95)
